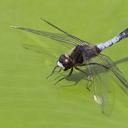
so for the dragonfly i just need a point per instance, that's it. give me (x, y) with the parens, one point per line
(86, 58)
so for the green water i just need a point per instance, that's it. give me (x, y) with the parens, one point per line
(27, 98)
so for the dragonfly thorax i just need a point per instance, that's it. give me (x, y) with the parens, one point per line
(65, 62)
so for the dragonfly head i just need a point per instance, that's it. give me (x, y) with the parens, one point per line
(65, 62)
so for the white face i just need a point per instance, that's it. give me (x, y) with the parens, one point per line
(60, 65)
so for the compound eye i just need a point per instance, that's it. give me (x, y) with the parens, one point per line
(66, 60)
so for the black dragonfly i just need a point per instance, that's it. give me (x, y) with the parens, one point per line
(87, 58)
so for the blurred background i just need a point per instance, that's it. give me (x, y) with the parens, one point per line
(27, 98)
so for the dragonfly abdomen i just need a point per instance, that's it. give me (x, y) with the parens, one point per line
(122, 35)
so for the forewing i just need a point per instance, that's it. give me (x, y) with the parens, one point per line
(54, 36)
(78, 40)
(65, 37)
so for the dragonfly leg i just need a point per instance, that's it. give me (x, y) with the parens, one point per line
(90, 82)
(52, 72)
(90, 78)
(80, 70)
(70, 73)
(89, 85)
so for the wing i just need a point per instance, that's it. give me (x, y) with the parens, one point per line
(122, 60)
(116, 71)
(102, 86)
(78, 40)
(103, 92)
(65, 37)
(54, 36)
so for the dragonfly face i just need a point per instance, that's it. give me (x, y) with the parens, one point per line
(65, 62)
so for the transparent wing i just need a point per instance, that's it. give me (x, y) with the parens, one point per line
(79, 75)
(65, 37)
(101, 87)
(54, 36)
(103, 81)
(116, 71)
(122, 60)
(78, 40)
